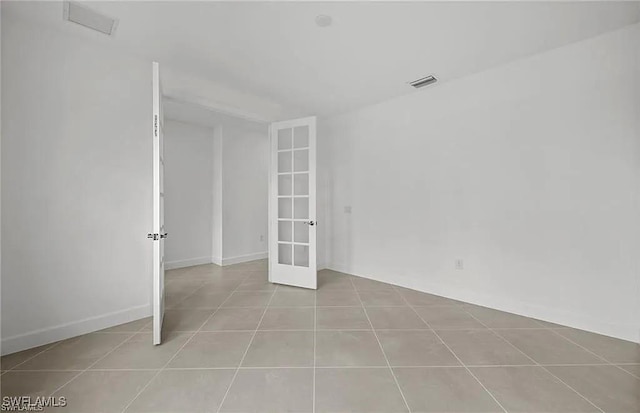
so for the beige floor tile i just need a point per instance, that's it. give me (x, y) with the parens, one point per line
(546, 347)
(394, 318)
(102, 391)
(203, 299)
(257, 284)
(530, 389)
(444, 389)
(186, 319)
(213, 349)
(364, 390)
(332, 280)
(255, 265)
(608, 387)
(288, 319)
(447, 317)
(341, 318)
(178, 286)
(220, 286)
(612, 349)
(293, 297)
(184, 391)
(280, 349)
(336, 297)
(420, 299)
(76, 353)
(415, 348)
(170, 301)
(131, 327)
(631, 368)
(348, 348)
(381, 298)
(234, 319)
(270, 390)
(500, 319)
(482, 347)
(10, 361)
(365, 284)
(140, 353)
(248, 299)
(34, 383)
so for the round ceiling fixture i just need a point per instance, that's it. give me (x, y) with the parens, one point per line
(322, 20)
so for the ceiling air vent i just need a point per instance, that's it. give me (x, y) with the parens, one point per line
(423, 82)
(84, 16)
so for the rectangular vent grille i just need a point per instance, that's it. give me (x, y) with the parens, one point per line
(423, 82)
(86, 17)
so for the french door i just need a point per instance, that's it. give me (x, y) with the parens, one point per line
(158, 236)
(292, 203)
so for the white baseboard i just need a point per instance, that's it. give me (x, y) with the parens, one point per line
(545, 313)
(245, 258)
(172, 265)
(73, 329)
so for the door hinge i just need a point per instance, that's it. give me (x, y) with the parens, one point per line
(154, 237)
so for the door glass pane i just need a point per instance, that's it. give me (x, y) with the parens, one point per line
(301, 253)
(301, 208)
(284, 254)
(301, 160)
(284, 207)
(284, 139)
(284, 161)
(301, 137)
(301, 184)
(284, 185)
(301, 232)
(284, 231)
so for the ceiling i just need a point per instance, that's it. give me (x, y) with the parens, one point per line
(270, 60)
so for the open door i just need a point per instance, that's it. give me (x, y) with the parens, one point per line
(158, 236)
(292, 203)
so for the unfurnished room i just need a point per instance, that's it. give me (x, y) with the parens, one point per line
(320, 206)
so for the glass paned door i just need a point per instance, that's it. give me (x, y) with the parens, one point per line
(292, 212)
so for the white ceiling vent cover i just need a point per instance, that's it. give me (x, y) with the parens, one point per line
(423, 82)
(84, 16)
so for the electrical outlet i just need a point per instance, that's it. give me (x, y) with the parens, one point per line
(459, 264)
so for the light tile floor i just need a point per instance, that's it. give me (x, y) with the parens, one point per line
(236, 343)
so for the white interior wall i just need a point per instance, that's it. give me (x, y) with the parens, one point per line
(245, 192)
(189, 184)
(217, 196)
(530, 173)
(76, 186)
(216, 183)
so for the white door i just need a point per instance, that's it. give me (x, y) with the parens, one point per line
(292, 203)
(158, 234)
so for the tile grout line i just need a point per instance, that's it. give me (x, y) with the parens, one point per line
(393, 374)
(609, 362)
(255, 332)
(425, 366)
(530, 358)
(133, 334)
(454, 354)
(179, 350)
(34, 356)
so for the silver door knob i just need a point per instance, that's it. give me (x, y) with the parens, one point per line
(310, 223)
(165, 235)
